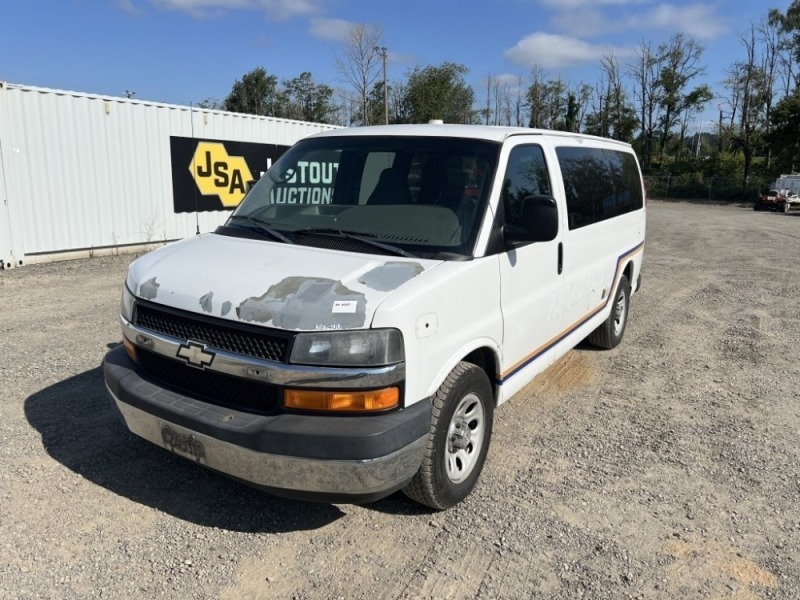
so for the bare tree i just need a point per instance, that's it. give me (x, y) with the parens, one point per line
(616, 97)
(496, 99)
(490, 83)
(581, 96)
(518, 104)
(344, 108)
(681, 64)
(360, 62)
(503, 103)
(770, 39)
(536, 97)
(750, 79)
(645, 74)
(785, 25)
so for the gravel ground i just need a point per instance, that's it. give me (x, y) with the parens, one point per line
(666, 468)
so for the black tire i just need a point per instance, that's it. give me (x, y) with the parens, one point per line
(462, 406)
(610, 333)
(784, 208)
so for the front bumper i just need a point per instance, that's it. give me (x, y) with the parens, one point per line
(326, 458)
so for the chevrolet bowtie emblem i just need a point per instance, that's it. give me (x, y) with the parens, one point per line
(195, 354)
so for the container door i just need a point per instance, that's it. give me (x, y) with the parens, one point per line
(7, 255)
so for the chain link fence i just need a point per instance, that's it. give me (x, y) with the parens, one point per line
(710, 189)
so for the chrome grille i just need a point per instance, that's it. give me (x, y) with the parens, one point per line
(217, 333)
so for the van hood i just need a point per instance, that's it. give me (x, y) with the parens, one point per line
(291, 287)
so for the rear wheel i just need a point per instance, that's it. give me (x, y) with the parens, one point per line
(610, 333)
(461, 427)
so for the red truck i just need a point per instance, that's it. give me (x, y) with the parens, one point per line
(777, 200)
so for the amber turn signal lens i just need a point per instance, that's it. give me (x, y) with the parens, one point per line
(371, 401)
(129, 348)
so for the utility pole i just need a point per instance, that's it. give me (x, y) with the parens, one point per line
(382, 51)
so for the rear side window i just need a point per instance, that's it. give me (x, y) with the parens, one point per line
(600, 184)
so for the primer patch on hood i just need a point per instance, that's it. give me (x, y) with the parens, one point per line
(226, 308)
(306, 303)
(207, 302)
(149, 289)
(391, 275)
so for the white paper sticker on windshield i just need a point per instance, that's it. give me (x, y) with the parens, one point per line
(344, 306)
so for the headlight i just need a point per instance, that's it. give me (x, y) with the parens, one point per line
(126, 304)
(368, 348)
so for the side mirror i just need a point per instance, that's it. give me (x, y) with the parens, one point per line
(539, 221)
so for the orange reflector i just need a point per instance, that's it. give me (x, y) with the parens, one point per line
(129, 348)
(373, 400)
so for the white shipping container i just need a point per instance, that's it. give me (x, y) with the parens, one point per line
(788, 184)
(84, 174)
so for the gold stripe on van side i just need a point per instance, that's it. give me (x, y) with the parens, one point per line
(529, 358)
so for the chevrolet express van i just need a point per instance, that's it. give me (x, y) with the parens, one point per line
(352, 327)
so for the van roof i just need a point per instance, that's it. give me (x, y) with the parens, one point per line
(483, 132)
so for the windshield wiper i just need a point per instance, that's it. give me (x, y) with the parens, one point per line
(358, 236)
(262, 227)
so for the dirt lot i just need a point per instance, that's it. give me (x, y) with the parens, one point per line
(667, 468)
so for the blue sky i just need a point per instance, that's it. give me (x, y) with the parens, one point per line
(181, 51)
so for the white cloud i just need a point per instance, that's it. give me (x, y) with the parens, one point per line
(585, 22)
(508, 79)
(553, 51)
(696, 20)
(591, 18)
(128, 6)
(331, 30)
(274, 9)
(510, 82)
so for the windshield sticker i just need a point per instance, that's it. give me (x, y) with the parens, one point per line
(311, 182)
(344, 306)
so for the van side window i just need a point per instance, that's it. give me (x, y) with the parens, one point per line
(526, 175)
(599, 183)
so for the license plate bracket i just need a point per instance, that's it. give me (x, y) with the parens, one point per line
(183, 443)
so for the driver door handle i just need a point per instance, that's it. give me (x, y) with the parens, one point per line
(560, 257)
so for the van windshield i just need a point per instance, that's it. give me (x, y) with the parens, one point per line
(418, 196)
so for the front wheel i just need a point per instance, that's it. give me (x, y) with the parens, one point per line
(784, 208)
(461, 427)
(610, 333)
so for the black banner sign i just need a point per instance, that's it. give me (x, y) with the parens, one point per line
(212, 175)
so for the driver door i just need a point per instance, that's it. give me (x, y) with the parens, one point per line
(532, 288)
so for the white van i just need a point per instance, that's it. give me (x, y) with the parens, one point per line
(353, 326)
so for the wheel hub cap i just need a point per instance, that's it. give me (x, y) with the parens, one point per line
(460, 437)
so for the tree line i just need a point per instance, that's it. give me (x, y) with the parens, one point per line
(651, 101)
